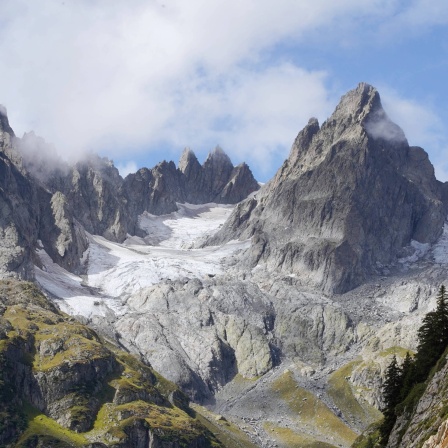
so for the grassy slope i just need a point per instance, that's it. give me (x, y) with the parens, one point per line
(225, 431)
(342, 394)
(35, 322)
(320, 425)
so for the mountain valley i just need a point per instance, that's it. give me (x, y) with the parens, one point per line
(275, 310)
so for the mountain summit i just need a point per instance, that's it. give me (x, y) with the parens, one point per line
(350, 196)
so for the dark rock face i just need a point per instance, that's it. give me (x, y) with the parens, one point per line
(18, 220)
(351, 194)
(158, 189)
(154, 190)
(4, 123)
(217, 180)
(28, 212)
(93, 189)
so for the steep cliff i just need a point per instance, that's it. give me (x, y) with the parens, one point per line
(350, 196)
(157, 190)
(28, 213)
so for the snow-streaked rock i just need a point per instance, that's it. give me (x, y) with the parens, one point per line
(350, 196)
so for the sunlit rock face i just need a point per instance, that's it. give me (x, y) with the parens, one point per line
(350, 196)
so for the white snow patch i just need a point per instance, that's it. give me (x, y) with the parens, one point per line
(420, 250)
(120, 271)
(76, 298)
(115, 271)
(182, 229)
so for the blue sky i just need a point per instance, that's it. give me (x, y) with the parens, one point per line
(138, 81)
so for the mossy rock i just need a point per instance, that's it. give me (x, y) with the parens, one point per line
(93, 393)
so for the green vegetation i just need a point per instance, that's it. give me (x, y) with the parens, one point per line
(404, 386)
(370, 439)
(311, 410)
(294, 439)
(93, 392)
(344, 398)
(225, 431)
(42, 427)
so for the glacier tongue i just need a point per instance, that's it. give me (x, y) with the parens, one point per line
(115, 271)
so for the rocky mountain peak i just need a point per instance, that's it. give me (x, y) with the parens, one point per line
(357, 103)
(4, 123)
(188, 160)
(350, 196)
(218, 157)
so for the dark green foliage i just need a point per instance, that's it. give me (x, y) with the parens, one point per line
(11, 419)
(392, 384)
(432, 336)
(408, 375)
(403, 387)
(391, 395)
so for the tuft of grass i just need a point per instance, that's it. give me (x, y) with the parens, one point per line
(370, 439)
(230, 435)
(344, 398)
(294, 439)
(310, 410)
(400, 352)
(41, 426)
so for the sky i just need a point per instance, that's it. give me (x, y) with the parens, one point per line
(138, 81)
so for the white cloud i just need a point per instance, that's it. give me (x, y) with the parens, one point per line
(253, 116)
(127, 168)
(423, 13)
(81, 73)
(422, 127)
(130, 75)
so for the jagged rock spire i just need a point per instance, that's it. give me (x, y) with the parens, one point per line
(350, 196)
(4, 122)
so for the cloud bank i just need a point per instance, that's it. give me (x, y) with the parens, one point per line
(124, 78)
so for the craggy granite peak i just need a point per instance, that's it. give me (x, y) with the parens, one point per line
(8, 139)
(157, 190)
(154, 190)
(350, 196)
(93, 188)
(217, 180)
(4, 122)
(217, 170)
(188, 162)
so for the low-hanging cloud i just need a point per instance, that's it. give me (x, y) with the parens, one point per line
(422, 127)
(133, 76)
(379, 126)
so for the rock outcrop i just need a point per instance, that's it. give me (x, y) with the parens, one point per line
(202, 333)
(157, 190)
(29, 214)
(350, 196)
(64, 384)
(217, 180)
(93, 188)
